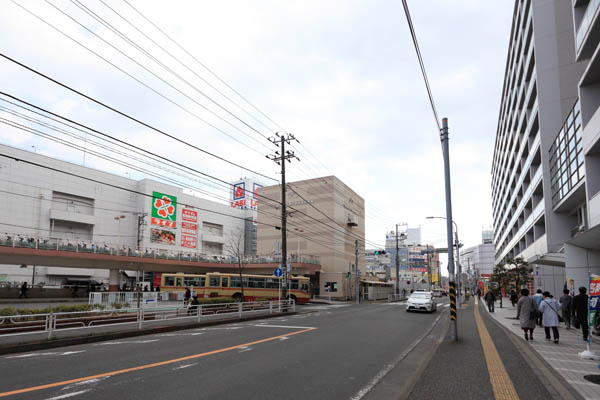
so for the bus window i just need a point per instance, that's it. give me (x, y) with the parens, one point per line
(214, 281)
(304, 287)
(169, 281)
(235, 281)
(294, 284)
(224, 282)
(178, 281)
(272, 283)
(202, 281)
(191, 281)
(256, 282)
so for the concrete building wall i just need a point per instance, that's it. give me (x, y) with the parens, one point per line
(333, 242)
(43, 203)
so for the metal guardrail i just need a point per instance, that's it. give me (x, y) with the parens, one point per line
(86, 321)
(43, 243)
(147, 299)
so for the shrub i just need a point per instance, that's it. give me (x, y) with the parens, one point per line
(46, 310)
(216, 300)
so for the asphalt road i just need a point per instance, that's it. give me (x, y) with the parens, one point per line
(334, 352)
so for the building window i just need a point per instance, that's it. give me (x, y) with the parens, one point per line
(212, 229)
(566, 156)
(331, 286)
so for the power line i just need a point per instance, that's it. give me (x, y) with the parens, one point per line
(129, 117)
(421, 64)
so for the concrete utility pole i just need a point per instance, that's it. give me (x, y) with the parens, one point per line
(451, 278)
(280, 159)
(397, 264)
(356, 272)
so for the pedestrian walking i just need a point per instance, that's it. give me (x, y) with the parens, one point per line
(527, 312)
(513, 297)
(187, 295)
(490, 298)
(478, 294)
(538, 299)
(549, 308)
(580, 312)
(23, 292)
(566, 307)
(193, 308)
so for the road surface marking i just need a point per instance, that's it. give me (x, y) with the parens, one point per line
(67, 395)
(153, 365)
(285, 326)
(185, 366)
(501, 384)
(283, 338)
(82, 383)
(66, 353)
(128, 342)
(245, 348)
(387, 368)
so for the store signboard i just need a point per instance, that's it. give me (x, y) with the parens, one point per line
(189, 228)
(164, 210)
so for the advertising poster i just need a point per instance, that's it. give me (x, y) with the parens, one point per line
(594, 298)
(162, 236)
(164, 210)
(189, 228)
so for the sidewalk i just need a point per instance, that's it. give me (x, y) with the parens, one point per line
(563, 357)
(487, 362)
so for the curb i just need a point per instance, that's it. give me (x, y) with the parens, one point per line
(53, 343)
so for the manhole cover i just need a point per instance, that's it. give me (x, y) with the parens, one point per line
(593, 378)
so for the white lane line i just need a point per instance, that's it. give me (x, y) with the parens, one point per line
(65, 353)
(185, 366)
(281, 339)
(67, 395)
(243, 349)
(284, 326)
(88, 382)
(128, 342)
(387, 368)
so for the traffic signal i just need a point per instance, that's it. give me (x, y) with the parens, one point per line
(348, 275)
(379, 252)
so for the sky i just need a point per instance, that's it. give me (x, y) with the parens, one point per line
(341, 76)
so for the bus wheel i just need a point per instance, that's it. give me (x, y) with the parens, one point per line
(237, 297)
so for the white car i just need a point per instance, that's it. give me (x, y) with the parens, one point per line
(421, 301)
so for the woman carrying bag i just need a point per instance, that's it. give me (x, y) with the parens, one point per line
(527, 313)
(549, 307)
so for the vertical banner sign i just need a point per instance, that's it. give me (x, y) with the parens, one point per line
(164, 210)
(189, 228)
(594, 299)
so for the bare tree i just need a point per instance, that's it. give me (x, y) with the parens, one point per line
(235, 248)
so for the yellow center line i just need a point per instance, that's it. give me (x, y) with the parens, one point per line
(501, 383)
(146, 366)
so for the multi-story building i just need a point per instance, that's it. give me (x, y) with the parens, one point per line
(575, 153)
(539, 97)
(478, 261)
(244, 196)
(85, 205)
(324, 218)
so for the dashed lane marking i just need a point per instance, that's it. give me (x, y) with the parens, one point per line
(501, 383)
(184, 366)
(128, 342)
(67, 395)
(147, 366)
(64, 353)
(284, 326)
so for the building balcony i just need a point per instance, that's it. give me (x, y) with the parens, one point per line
(588, 31)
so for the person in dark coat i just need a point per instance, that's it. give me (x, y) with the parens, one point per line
(580, 311)
(24, 289)
(187, 295)
(490, 298)
(513, 297)
(478, 293)
(193, 308)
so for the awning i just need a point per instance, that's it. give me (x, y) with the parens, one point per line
(589, 239)
(554, 259)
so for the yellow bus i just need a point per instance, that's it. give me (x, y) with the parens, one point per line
(216, 284)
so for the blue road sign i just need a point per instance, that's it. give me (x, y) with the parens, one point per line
(278, 272)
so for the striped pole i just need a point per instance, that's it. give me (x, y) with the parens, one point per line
(452, 300)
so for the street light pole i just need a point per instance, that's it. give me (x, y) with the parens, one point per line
(397, 264)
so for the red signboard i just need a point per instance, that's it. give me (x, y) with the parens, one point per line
(188, 228)
(188, 241)
(189, 215)
(157, 278)
(164, 222)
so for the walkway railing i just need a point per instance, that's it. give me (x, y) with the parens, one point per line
(45, 243)
(85, 322)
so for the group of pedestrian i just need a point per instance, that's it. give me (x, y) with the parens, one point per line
(543, 310)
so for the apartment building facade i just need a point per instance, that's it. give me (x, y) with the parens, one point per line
(539, 93)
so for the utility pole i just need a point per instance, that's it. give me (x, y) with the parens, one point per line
(356, 272)
(451, 277)
(280, 159)
(397, 264)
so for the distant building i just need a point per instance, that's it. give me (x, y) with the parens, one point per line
(325, 218)
(244, 196)
(478, 261)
